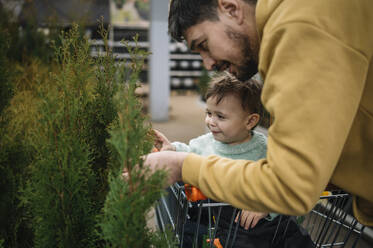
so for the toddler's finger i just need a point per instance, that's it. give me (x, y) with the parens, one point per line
(255, 221)
(247, 225)
(249, 219)
(244, 222)
(160, 137)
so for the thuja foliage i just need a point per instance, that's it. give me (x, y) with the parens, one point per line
(100, 113)
(60, 191)
(21, 50)
(7, 183)
(6, 90)
(130, 198)
(14, 157)
(61, 184)
(68, 130)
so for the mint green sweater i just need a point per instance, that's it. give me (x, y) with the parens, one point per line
(205, 145)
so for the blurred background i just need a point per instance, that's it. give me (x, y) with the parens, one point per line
(171, 87)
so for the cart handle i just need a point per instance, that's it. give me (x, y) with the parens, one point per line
(193, 194)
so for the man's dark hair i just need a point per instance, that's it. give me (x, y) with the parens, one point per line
(248, 91)
(186, 13)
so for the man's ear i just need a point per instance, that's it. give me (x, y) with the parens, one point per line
(233, 9)
(252, 121)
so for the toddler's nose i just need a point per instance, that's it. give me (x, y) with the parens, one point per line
(211, 122)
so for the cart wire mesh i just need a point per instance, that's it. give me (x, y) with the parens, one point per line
(329, 224)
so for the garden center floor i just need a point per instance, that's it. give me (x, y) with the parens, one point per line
(186, 117)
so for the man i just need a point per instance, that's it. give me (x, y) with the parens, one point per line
(316, 61)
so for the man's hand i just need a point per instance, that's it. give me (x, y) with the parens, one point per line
(162, 143)
(249, 219)
(170, 161)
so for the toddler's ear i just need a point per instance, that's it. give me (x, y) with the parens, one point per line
(252, 121)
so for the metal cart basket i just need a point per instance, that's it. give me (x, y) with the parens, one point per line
(197, 223)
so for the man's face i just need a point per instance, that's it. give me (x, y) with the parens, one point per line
(225, 46)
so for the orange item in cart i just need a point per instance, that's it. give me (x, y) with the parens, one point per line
(155, 149)
(193, 194)
(216, 243)
(326, 193)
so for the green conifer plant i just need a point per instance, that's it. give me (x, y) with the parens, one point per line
(55, 142)
(62, 183)
(14, 157)
(129, 200)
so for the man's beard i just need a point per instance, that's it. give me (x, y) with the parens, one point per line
(249, 66)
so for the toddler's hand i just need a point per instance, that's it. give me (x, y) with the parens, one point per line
(162, 143)
(249, 219)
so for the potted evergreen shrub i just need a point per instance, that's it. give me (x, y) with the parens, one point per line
(77, 124)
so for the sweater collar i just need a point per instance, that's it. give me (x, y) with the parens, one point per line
(256, 140)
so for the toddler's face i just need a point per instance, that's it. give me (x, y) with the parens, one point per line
(228, 121)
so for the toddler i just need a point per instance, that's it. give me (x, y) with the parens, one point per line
(233, 110)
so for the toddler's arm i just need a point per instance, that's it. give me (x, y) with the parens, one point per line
(249, 219)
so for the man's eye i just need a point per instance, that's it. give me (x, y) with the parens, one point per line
(203, 45)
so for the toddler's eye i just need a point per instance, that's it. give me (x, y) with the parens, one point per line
(208, 113)
(221, 117)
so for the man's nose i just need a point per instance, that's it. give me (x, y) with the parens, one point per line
(208, 62)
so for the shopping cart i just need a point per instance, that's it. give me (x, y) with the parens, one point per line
(329, 224)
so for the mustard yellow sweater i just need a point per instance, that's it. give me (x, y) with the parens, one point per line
(316, 61)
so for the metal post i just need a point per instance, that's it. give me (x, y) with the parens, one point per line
(159, 74)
